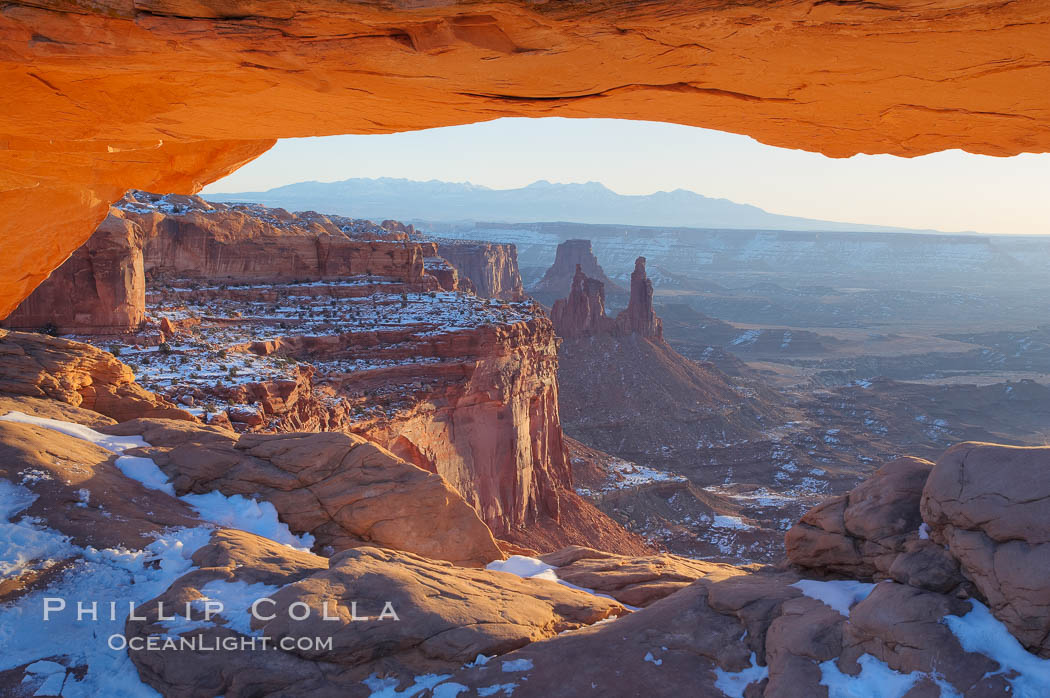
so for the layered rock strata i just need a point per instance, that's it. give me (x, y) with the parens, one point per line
(491, 268)
(558, 280)
(359, 341)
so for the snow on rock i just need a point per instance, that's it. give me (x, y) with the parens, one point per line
(875, 680)
(117, 444)
(838, 594)
(532, 568)
(25, 544)
(522, 566)
(733, 684)
(247, 514)
(144, 470)
(517, 665)
(114, 575)
(734, 522)
(386, 687)
(980, 631)
(237, 512)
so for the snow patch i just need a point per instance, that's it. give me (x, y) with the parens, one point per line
(117, 444)
(147, 472)
(517, 665)
(875, 680)
(249, 515)
(733, 684)
(839, 594)
(114, 574)
(980, 631)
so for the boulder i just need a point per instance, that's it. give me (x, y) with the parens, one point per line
(873, 532)
(988, 504)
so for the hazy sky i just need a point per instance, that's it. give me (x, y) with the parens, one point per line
(950, 191)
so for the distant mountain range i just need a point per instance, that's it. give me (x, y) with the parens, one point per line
(407, 200)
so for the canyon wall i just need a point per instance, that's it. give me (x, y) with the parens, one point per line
(491, 268)
(187, 237)
(478, 406)
(100, 289)
(168, 96)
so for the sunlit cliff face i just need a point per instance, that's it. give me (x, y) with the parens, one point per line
(168, 95)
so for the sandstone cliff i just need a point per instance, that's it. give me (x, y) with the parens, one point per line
(99, 290)
(268, 321)
(490, 267)
(187, 238)
(557, 281)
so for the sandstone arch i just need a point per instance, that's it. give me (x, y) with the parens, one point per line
(103, 95)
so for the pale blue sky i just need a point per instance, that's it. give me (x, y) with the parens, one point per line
(949, 191)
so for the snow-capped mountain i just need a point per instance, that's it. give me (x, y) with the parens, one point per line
(591, 202)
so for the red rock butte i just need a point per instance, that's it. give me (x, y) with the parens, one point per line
(168, 95)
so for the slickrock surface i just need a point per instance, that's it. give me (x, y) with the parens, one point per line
(78, 374)
(873, 532)
(446, 617)
(340, 488)
(84, 529)
(635, 581)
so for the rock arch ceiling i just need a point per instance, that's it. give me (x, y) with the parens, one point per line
(103, 95)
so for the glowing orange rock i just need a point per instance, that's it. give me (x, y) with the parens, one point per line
(167, 95)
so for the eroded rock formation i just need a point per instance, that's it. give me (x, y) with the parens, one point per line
(558, 280)
(490, 267)
(186, 107)
(619, 377)
(77, 374)
(582, 313)
(101, 289)
(638, 318)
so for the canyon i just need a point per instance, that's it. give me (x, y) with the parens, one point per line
(906, 581)
(267, 321)
(228, 420)
(330, 414)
